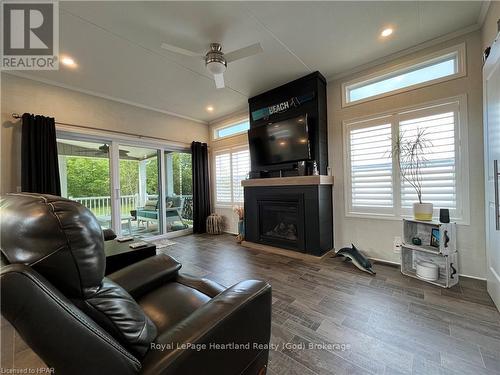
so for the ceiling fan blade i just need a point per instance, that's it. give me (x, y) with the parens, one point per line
(219, 81)
(243, 52)
(182, 51)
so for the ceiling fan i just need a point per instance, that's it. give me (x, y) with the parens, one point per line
(102, 150)
(216, 60)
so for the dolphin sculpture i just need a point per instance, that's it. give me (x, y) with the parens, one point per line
(358, 259)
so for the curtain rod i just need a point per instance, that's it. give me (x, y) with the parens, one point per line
(18, 116)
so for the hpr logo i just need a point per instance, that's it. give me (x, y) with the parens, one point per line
(30, 35)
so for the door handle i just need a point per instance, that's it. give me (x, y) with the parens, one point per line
(446, 238)
(495, 184)
(453, 271)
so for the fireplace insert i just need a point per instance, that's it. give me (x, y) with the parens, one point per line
(281, 222)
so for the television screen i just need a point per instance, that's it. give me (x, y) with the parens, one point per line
(280, 142)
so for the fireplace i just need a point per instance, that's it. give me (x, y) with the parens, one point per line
(281, 222)
(295, 217)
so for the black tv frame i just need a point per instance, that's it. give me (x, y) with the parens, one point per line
(255, 157)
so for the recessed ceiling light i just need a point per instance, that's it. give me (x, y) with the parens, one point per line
(210, 108)
(386, 32)
(68, 61)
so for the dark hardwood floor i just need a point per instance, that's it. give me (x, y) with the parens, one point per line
(354, 322)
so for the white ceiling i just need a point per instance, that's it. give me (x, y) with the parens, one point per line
(117, 45)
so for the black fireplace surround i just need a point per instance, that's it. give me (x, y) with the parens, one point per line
(297, 218)
(294, 217)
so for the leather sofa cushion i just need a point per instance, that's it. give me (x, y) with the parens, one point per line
(119, 314)
(171, 303)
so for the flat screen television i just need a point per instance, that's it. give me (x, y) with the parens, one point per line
(280, 142)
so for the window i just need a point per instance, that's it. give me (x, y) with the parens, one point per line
(374, 186)
(233, 129)
(371, 167)
(231, 167)
(428, 70)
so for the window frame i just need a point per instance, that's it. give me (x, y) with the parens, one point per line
(225, 125)
(230, 151)
(458, 50)
(459, 103)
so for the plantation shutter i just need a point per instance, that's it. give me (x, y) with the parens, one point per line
(231, 167)
(240, 167)
(223, 177)
(370, 168)
(439, 182)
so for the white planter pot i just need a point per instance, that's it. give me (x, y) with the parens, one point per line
(422, 211)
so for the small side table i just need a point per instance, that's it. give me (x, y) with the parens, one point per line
(119, 255)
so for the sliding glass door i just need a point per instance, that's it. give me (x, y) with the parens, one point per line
(140, 203)
(123, 184)
(85, 176)
(179, 191)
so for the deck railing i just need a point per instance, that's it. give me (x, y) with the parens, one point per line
(101, 206)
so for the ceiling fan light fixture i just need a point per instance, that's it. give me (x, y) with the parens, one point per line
(215, 60)
(216, 67)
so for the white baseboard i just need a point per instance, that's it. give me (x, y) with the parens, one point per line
(385, 261)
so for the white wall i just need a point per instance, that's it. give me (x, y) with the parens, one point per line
(23, 95)
(490, 28)
(230, 218)
(376, 237)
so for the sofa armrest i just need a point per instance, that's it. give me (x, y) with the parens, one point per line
(205, 342)
(60, 333)
(205, 286)
(146, 275)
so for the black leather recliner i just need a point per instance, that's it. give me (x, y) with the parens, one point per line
(144, 319)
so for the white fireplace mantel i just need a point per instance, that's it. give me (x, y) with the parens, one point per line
(289, 181)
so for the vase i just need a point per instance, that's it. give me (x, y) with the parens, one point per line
(241, 231)
(423, 211)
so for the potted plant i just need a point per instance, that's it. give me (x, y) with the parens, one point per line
(410, 155)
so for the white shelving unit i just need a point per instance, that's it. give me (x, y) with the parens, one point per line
(442, 252)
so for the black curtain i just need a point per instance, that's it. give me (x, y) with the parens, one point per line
(39, 165)
(201, 187)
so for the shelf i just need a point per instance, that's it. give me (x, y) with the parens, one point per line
(439, 282)
(427, 222)
(424, 248)
(443, 234)
(448, 265)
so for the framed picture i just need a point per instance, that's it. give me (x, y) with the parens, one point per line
(435, 237)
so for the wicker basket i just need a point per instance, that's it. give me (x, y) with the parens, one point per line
(214, 224)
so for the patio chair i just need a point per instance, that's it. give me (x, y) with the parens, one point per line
(173, 212)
